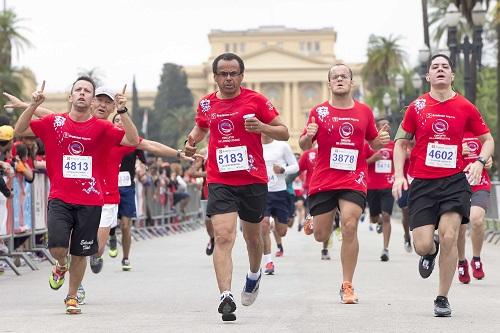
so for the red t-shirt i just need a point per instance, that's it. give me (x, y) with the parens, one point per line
(439, 128)
(234, 154)
(381, 172)
(307, 162)
(475, 148)
(76, 154)
(341, 161)
(112, 171)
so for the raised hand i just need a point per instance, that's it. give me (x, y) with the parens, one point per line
(14, 102)
(38, 97)
(190, 146)
(383, 134)
(120, 99)
(312, 128)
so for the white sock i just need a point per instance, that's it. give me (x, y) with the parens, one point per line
(267, 258)
(253, 276)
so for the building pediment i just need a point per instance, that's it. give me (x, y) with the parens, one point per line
(276, 58)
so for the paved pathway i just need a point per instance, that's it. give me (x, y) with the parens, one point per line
(172, 289)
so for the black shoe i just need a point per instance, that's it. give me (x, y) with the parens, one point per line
(442, 307)
(227, 306)
(210, 247)
(426, 263)
(379, 228)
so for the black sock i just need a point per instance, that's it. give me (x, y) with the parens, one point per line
(112, 231)
(212, 240)
(476, 258)
(461, 262)
(280, 247)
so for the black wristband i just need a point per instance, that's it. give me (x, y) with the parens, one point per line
(122, 111)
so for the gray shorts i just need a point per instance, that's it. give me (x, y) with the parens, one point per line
(481, 199)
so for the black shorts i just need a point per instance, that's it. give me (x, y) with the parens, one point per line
(278, 206)
(431, 198)
(249, 201)
(380, 201)
(481, 199)
(323, 202)
(73, 226)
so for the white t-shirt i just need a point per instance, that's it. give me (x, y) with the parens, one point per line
(280, 153)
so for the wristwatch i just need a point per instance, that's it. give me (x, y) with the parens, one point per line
(124, 110)
(481, 160)
(179, 152)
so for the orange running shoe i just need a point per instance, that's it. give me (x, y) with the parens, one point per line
(308, 225)
(72, 306)
(347, 295)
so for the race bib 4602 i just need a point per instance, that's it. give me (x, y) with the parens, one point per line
(441, 156)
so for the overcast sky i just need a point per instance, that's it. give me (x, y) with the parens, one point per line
(123, 38)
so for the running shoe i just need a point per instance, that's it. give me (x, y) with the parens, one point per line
(250, 291)
(56, 278)
(442, 307)
(96, 264)
(126, 265)
(210, 247)
(385, 255)
(477, 269)
(463, 272)
(80, 295)
(347, 295)
(308, 225)
(113, 249)
(426, 263)
(379, 228)
(325, 255)
(279, 253)
(227, 306)
(72, 305)
(269, 268)
(300, 226)
(407, 242)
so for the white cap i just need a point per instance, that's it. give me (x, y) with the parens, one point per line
(105, 91)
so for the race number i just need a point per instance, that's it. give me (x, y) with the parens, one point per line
(383, 166)
(343, 159)
(232, 159)
(441, 156)
(124, 179)
(77, 166)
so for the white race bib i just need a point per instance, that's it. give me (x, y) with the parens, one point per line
(343, 159)
(441, 156)
(124, 179)
(77, 166)
(232, 159)
(383, 166)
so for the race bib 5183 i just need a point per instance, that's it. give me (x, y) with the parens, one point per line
(232, 159)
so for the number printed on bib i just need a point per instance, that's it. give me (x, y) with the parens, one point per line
(343, 159)
(441, 156)
(232, 159)
(77, 166)
(383, 166)
(124, 179)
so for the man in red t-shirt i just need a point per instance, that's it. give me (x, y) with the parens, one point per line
(76, 145)
(439, 196)
(480, 201)
(236, 171)
(340, 127)
(379, 196)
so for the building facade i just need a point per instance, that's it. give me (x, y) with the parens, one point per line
(289, 66)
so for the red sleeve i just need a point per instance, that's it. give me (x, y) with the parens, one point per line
(39, 126)
(266, 110)
(409, 121)
(368, 150)
(371, 130)
(113, 133)
(303, 163)
(476, 123)
(201, 113)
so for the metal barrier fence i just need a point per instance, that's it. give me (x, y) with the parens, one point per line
(23, 216)
(493, 215)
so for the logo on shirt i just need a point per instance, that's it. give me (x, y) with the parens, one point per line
(386, 155)
(312, 156)
(419, 104)
(322, 112)
(226, 127)
(440, 126)
(59, 121)
(76, 148)
(205, 105)
(346, 130)
(269, 105)
(473, 146)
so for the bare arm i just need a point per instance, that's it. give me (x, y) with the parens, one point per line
(157, 149)
(399, 157)
(196, 135)
(23, 123)
(306, 140)
(275, 129)
(475, 169)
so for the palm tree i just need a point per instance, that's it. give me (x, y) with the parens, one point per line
(94, 73)
(385, 58)
(10, 36)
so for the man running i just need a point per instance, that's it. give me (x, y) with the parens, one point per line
(280, 162)
(236, 171)
(340, 127)
(440, 194)
(76, 146)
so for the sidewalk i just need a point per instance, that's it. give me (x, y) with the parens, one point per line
(172, 288)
